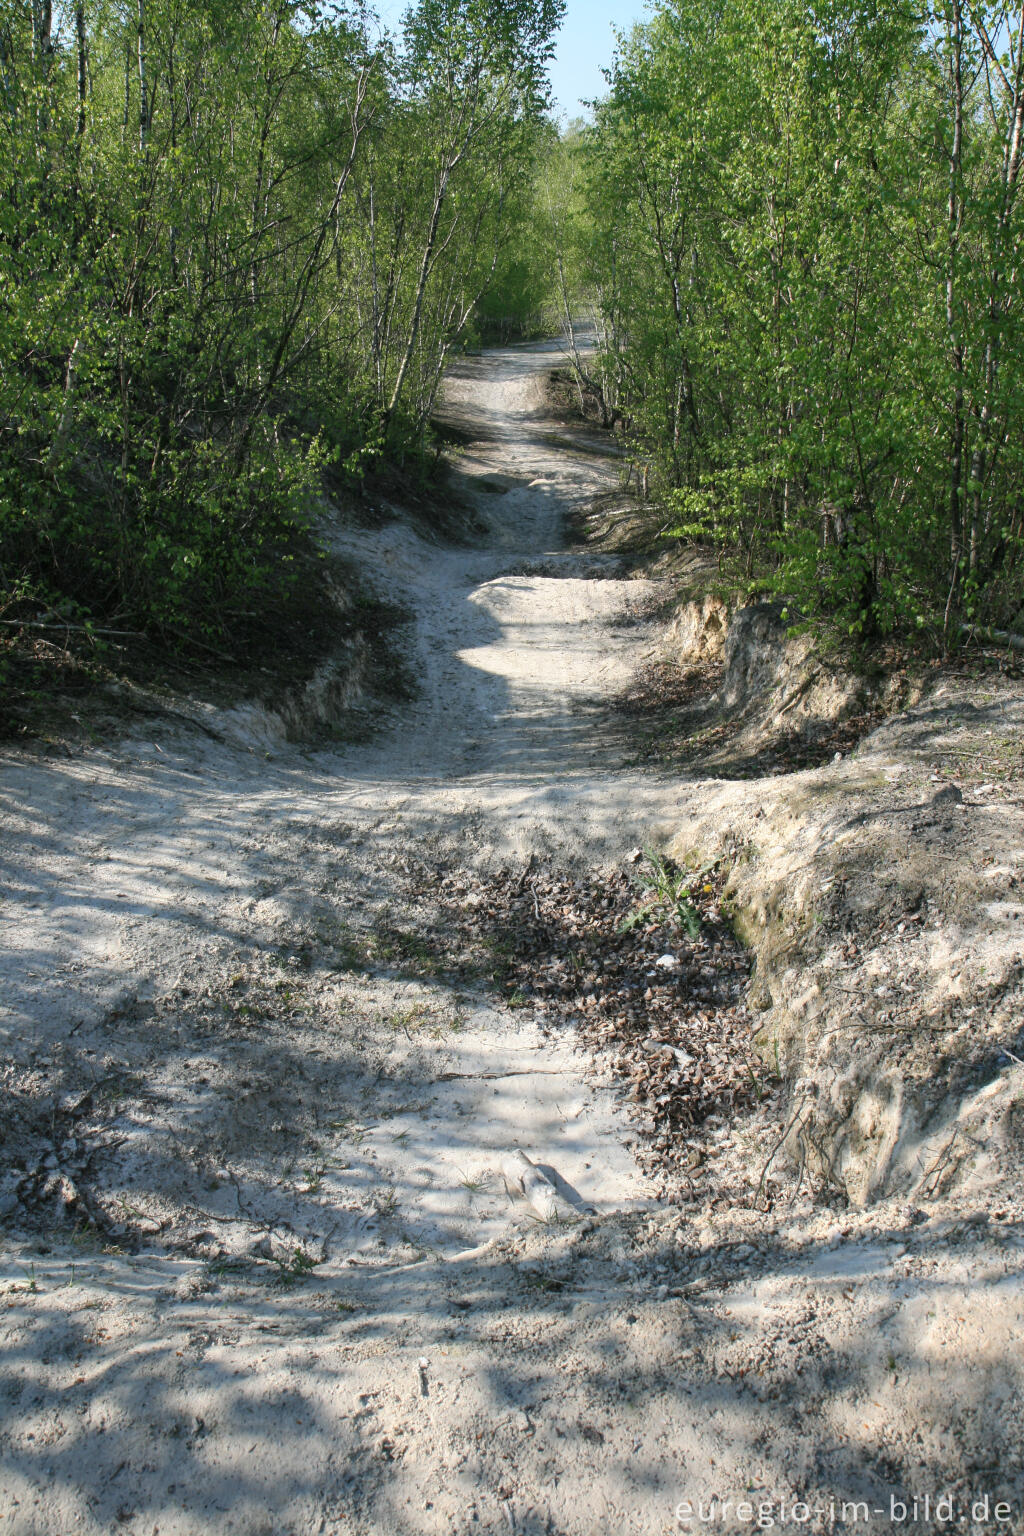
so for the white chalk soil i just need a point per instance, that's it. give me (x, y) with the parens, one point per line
(370, 1251)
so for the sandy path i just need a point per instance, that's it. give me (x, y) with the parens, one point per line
(180, 920)
(166, 863)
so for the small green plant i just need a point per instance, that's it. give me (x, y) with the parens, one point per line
(385, 1201)
(85, 1237)
(351, 949)
(665, 894)
(296, 1267)
(403, 947)
(349, 1129)
(413, 1017)
(126, 1085)
(545, 1283)
(225, 1266)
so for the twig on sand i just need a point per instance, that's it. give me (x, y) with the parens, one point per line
(777, 1147)
(81, 629)
(527, 868)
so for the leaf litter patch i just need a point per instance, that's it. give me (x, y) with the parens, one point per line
(643, 964)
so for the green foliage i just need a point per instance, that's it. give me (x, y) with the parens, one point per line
(237, 246)
(665, 896)
(802, 232)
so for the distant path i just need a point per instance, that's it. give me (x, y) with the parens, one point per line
(519, 643)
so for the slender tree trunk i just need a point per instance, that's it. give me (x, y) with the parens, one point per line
(580, 374)
(42, 48)
(279, 361)
(954, 217)
(375, 330)
(60, 437)
(83, 76)
(998, 278)
(172, 234)
(143, 91)
(127, 90)
(42, 27)
(421, 287)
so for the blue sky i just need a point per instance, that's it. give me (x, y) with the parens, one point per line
(585, 44)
